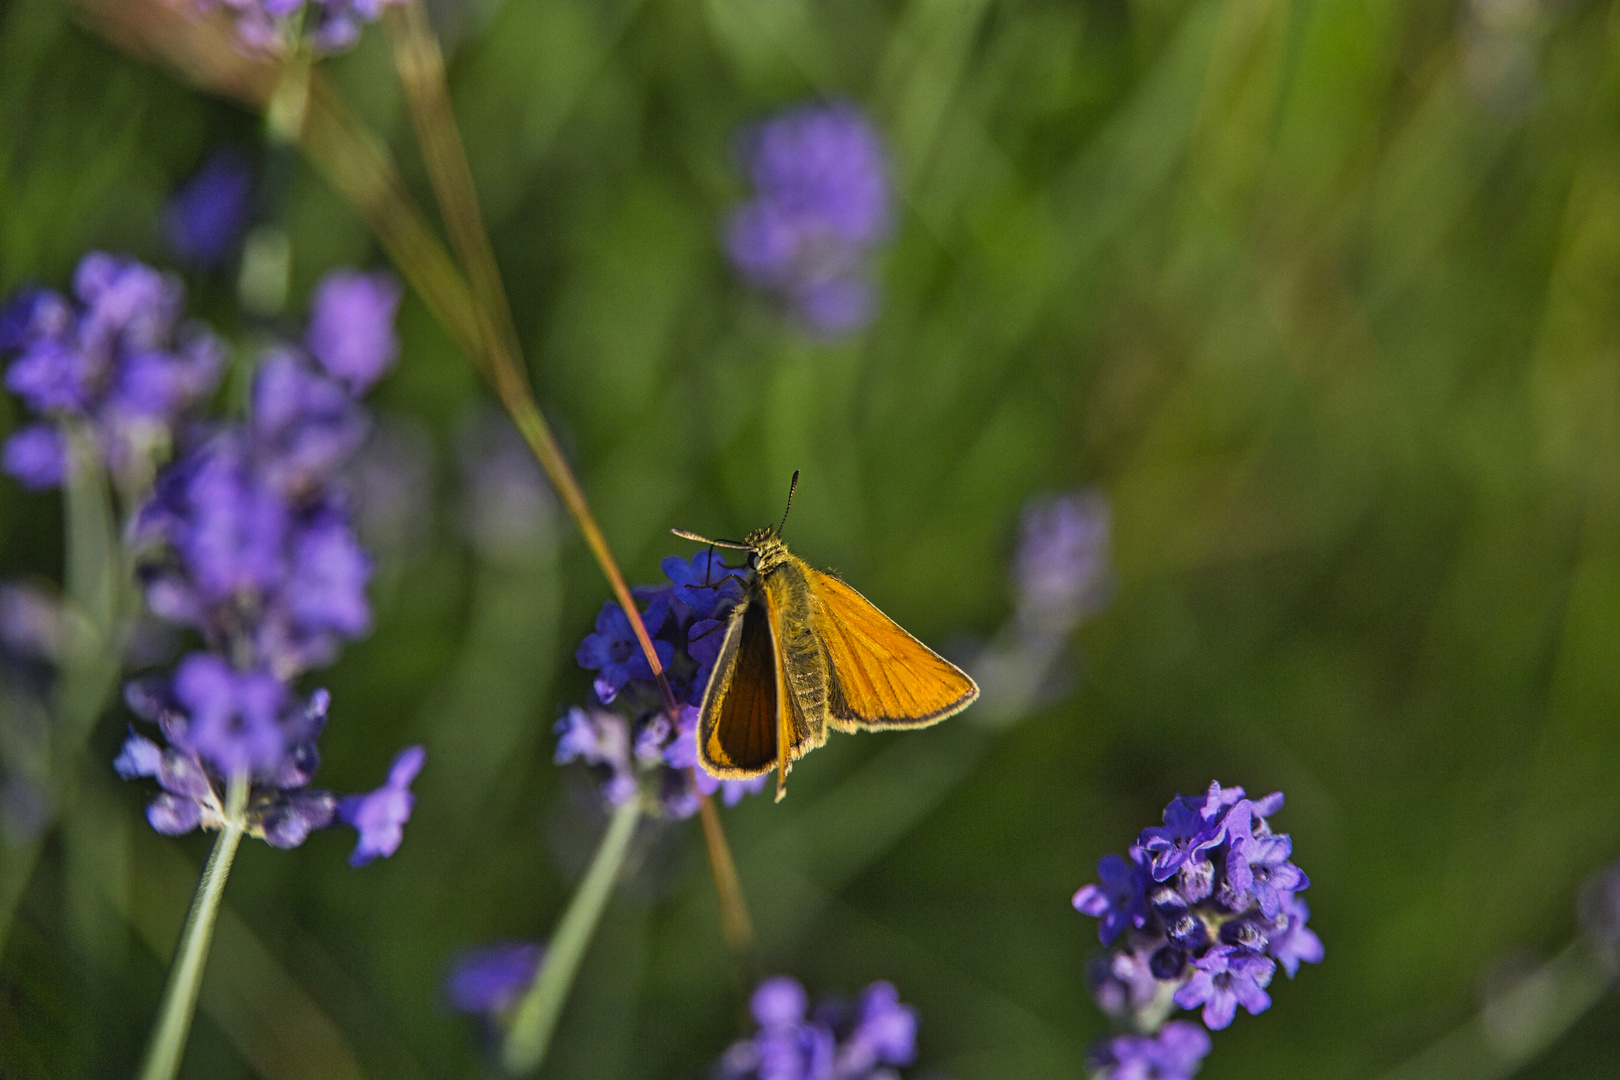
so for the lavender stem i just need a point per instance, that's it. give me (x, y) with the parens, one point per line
(185, 977)
(529, 1036)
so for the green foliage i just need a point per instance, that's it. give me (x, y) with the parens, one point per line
(1331, 316)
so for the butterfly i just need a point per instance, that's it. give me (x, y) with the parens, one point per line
(804, 652)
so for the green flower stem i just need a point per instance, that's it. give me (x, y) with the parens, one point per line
(95, 592)
(1519, 1025)
(529, 1036)
(185, 977)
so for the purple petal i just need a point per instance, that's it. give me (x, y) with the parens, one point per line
(172, 815)
(779, 1002)
(351, 326)
(37, 456)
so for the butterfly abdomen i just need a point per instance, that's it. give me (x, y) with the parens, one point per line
(804, 660)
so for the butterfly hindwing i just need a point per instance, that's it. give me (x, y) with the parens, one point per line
(881, 676)
(737, 727)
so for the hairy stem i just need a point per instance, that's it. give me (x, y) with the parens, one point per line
(529, 1036)
(173, 1024)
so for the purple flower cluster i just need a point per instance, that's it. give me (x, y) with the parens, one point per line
(1175, 1053)
(821, 205)
(247, 539)
(1061, 571)
(204, 219)
(1200, 913)
(637, 744)
(113, 360)
(489, 979)
(835, 1041)
(273, 27)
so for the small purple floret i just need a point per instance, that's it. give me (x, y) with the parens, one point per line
(1175, 1053)
(380, 817)
(1224, 978)
(351, 326)
(235, 720)
(205, 218)
(614, 651)
(490, 978)
(37, 455)
(1120, 901)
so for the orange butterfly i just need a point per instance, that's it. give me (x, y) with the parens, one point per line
(804, 652)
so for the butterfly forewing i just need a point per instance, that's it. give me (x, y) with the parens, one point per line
(882, 677)
(737, 729)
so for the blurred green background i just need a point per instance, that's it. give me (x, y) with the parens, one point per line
(1324, 295)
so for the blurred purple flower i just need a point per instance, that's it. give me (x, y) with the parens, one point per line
(305, 424)
(682, 754)
(1062, 569)
(507, 505)
(235, 720)
(247, 538)
(225, 525)
(832, 1043)
(268, 27)
(602, 739)
(489, 979)
(326, 589)
(37, 455)
(1175, 1053)
(115, 358)
(380, 816)
(351, 326)
(230, 724)
(821, 204)
(31, 622)
(206, 216)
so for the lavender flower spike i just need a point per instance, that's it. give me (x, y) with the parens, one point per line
(1062, 571)
(1200, 917)
(380, 817)
(1175, 1053)
(831, 1042)
(490, 978)
(821, 204)
(115, 359)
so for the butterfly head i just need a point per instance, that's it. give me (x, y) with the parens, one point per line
(766, 549)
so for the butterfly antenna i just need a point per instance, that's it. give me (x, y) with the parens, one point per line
(736, 544)
(792, 487)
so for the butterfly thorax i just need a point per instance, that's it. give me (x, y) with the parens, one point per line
(769, 551)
